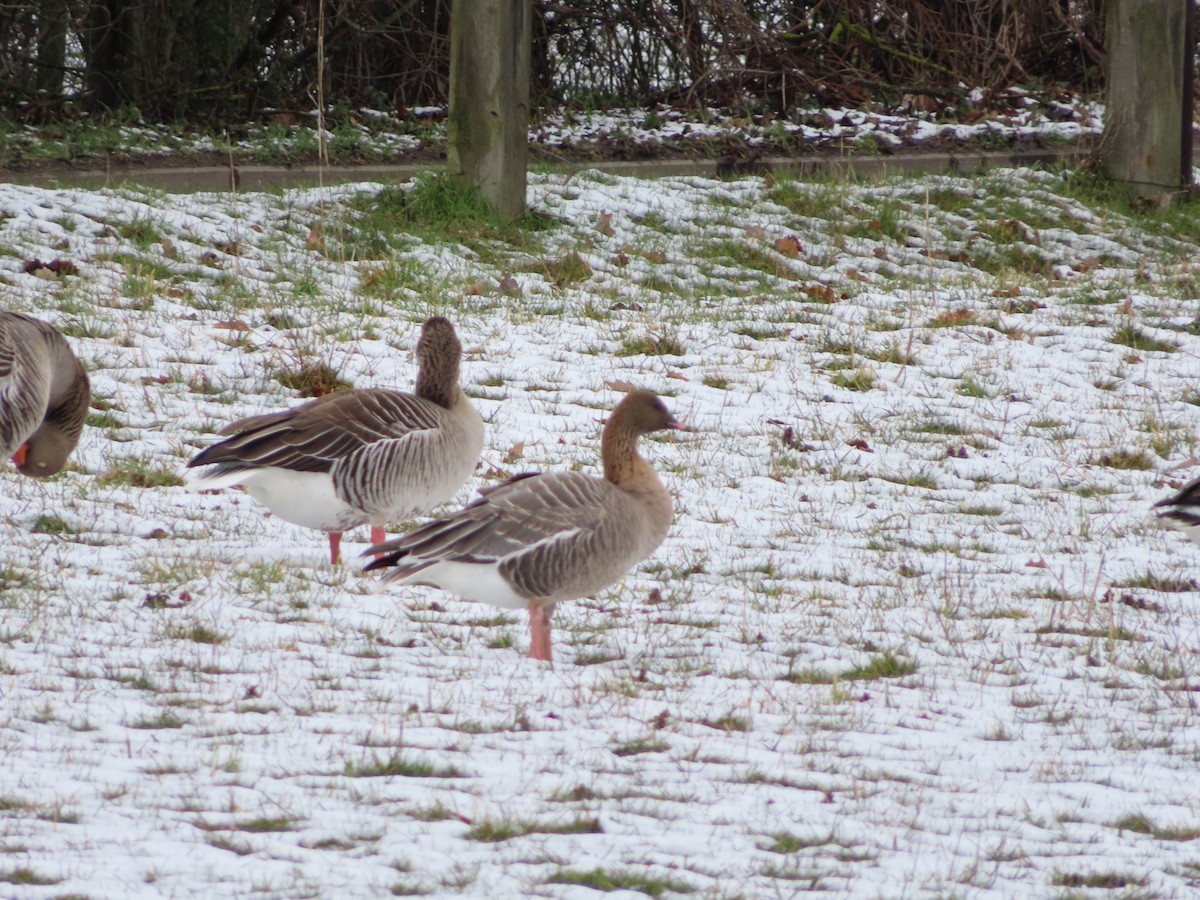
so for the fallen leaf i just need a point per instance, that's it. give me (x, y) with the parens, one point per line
(604, 224)
(820, 292)
(1037, 564)
(623, 386)
(233, 325)
(515, 452)
(678, 376)
(315, 239)
(860, 444)
(789, 246)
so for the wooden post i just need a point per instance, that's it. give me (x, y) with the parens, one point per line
(1143, 116)
(1187, 144)
(488, 123)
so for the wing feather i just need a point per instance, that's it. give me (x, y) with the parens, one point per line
(507, 520)
(314, 436)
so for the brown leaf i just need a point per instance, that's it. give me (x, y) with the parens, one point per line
(678, 376)
(509, 286)
(756, 231)
(789, 246)
(315, 239)
(822, 293)
(515, 452)
(1037, 564)
(860, 444)
(623, 386)
(604, 224)
(233, 325)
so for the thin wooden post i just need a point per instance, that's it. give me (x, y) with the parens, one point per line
(1186, 134)
(1143, 118)
(488, 122)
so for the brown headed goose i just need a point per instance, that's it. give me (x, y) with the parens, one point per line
(1183, 510)
(360, 456)
(541, 538)
(43, 395)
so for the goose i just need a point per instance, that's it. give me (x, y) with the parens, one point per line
(44, 395)
(538, 539)
(360, 456)
(1182, 510)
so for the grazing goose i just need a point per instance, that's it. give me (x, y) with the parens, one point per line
(541, 538)
(44, 395)
(360, 456)
(1183, 510)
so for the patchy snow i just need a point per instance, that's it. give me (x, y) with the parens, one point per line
(909, 419)
(1010, 118)
(856, 127)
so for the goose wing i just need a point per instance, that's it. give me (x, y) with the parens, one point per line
(314, 436)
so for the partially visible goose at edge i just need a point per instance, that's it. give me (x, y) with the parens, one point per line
(1182, 510)
(44, 395)
(362, 456)
(539, 539)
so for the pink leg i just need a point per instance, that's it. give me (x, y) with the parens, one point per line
(378, 536)
(335, 547)
(539, 631)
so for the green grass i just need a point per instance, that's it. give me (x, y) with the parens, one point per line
(489, 831)
(140, 472)
(885, 665)
(435, 208)
(23, 875)
(402, 765)
(621, 880)
(650, 345)
(1137, 339)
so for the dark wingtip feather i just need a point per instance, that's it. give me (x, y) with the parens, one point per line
(387, 561)
(1185, 518)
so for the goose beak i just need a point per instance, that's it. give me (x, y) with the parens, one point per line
(19, 456)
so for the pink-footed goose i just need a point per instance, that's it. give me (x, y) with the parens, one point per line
(539, 539)
(362, 456)
(44, 395)
(1182, 510)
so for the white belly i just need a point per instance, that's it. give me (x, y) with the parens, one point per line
(302, 498)
(481, 583)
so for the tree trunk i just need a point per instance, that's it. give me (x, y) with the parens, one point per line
(488, 123)
(51, 47)
(1144, 113)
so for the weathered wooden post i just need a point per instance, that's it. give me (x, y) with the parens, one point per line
(1143, 118)
(488, 125)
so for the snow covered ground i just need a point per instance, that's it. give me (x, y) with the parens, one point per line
(914, 631)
